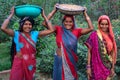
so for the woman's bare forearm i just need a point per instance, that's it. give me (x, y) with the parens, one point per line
(4, 26)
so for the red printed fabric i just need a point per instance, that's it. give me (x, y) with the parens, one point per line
(24, 68)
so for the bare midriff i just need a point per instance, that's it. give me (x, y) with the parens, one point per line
(58, 51)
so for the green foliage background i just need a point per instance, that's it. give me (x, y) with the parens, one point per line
(46, 45)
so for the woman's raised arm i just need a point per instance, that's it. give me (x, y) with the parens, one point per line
(4, 26)
(90, 25)
(49, 26)
(50, 15)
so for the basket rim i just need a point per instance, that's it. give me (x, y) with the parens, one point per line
(65, 9)
(27, 5)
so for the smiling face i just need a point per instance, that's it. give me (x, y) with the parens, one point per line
(68, 22)
(27, 27)
(104, 26)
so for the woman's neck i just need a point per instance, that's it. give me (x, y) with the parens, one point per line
(107, 33)
(26, 33)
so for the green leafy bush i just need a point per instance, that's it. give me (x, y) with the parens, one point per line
(5, 62)
(116, 28)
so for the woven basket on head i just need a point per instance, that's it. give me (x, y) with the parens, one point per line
(70, 9)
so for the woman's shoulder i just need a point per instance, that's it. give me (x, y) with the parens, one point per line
(77, 29)
(16, 32)
(93, 33)
(34, 32)
(57, 26)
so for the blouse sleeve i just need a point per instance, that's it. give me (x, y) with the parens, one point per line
(16, 40)
(34, 35)
(77, 32)
(56, 28)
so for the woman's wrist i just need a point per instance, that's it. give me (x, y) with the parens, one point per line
(87, 18)
(88, 66)
(8, 18)
(113, 65)
(112, 68)
(50, 14)
(47, 21)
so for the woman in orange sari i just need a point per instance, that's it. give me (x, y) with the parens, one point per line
(102, 51)
(24, 63)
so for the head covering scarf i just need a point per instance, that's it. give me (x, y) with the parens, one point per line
(109, 39)
(22, 21)
(68, 35)
(72, 17)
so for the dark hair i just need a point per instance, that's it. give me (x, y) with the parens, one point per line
(72, 17)
(12, 51)
(65, 16)
(22, 21)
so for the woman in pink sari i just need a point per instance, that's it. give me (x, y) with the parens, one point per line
(24, 63)
(67, 36)
(102, 51)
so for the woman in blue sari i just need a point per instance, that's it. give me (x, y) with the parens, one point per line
(67, 36)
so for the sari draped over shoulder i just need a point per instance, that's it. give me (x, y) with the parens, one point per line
(24, 68)
(69, 55)
(100, 60)
(65, 66)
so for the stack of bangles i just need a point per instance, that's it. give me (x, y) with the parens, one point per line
(88, 66)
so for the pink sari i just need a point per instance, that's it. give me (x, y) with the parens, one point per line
(99, 70)
(24, 68)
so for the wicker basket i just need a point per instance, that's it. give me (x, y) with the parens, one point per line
(70, 9)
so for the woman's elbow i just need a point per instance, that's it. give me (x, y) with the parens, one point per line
(91, 28)
(43, 23)
(2, 29)
(52, 30)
